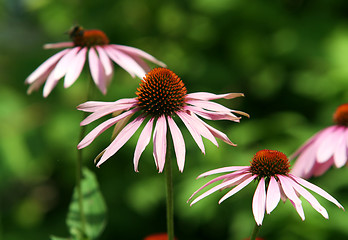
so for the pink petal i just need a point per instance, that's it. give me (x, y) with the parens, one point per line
(62, 66)
(244, 183)
(327, 145)
(321, 168)
(101, 128)
(212, 106)
(273, 195)
(51, 82)
(340, 152)
(259, 202)
(75, 68)
(224, 169)
(93, 106)
(316, 189)
(312, 200)
(212, 96)
(126, 133)
(291, 194)
(303, 166)
(39, 81)
(97, 70)
(218, 187)
(107, 64)
(143, 141)
(125, 61)
(137, 52)
(160, 142)
(212, 115)
(45, 66)
(196, 136)
(216, 133)
(179, 143)
(58, 45)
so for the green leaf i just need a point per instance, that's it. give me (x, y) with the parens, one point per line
(94, 209)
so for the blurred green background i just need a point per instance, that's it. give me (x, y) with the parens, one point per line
(289, 57)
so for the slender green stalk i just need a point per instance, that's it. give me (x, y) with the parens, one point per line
(79, 166)
(255, 231)
(169, 189)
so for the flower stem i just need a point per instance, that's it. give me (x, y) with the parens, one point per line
(169, 189)
(255, 231)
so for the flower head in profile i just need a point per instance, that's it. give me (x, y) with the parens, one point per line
(271, 169)
(161, 97)
(328, 147)
(70, 61)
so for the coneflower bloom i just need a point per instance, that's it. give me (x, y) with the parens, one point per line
(161, 97)
(326, 148)
(270, 169)
(70, 61)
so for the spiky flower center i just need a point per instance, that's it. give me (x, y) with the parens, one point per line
(267, 163)
(341, 115)
(161, 92)
(87, 38)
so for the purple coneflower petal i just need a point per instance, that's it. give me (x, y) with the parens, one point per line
(316, 189)
(212, 115)
(64, 63)
(58, 45)
(45, 66)
(93, 106)
(340, 152)
(143, 141)
(291, 194)
(212, 106)
(224, 169)
(39, 81)
(311, 199)
(259, 202)
(212, 96)
(218, 187)
(97, 70)
(218, 134)
(137, 52)
(327, 145)
(101, 128)
(273, 195)
(75, 68)
(105, 60)
(178, 142)
(196, 136)
(244, 182)
(160, 142)
(126, 133)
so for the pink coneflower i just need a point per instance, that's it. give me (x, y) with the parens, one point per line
(271, 169)
(326, 148)
(69, 62)
(161, 96)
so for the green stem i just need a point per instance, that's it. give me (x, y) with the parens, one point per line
(169, 189)
(255, 231)
(79, 167)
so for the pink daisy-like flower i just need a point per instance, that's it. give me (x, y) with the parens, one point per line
(271, 169)
(326, 148)
(161, 96)
(70, 61)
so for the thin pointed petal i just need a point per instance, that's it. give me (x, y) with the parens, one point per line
(179, 143)
(224, 169)
(75, 68)
(236, 189)
(273, 195)
(97, 70)
(160, 140)
(212, 96)
(58, 45)
(259, 202)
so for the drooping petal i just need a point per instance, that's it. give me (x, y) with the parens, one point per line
(97, 70)
(75, 68)
(273, 195)
(88, 139)
(141, 53)
(196, 136)
(311, 199)
(218, 187)
(259, 202)
(121, 139)
(291, 194)
(93, 106)
(107, 64)
(39, 81)
(212, 96)
(179, 143)
(125, 61)
(327, 145)
(62, 66)
(245, 182)
(45, 66)
(316, 189)
(340, 152)
(212, 115)
(58, 45)
(160, 142)
(143, 141)
(224, 169)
